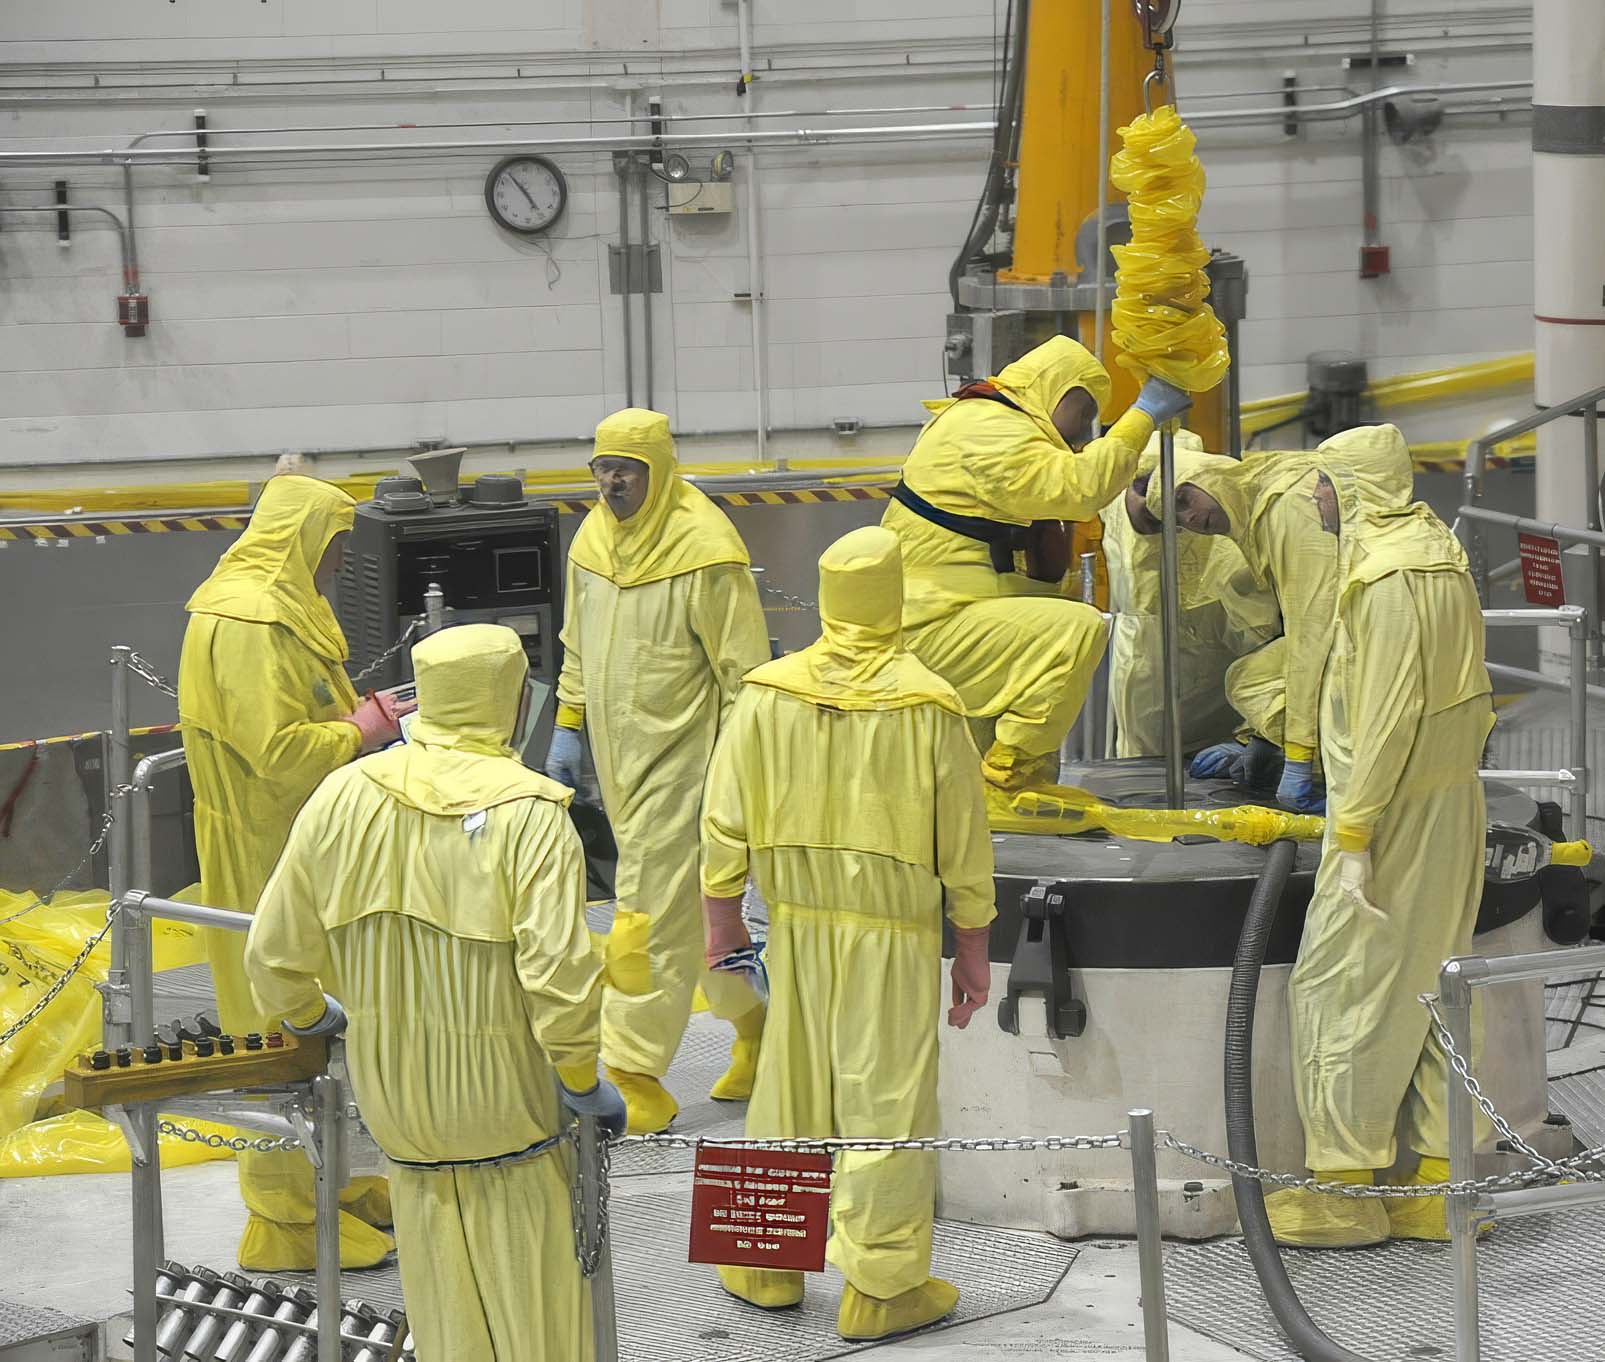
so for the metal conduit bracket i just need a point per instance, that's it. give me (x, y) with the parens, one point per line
(1041, 966)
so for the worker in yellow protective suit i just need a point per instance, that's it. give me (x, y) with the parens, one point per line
(1405, 711)
(846, 783)
(661, 620)
(1224, 616)
(1265, 504)
(979, 515)
(431, 903)
(267, 712)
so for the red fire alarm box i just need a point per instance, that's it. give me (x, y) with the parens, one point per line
(133, 313)
(760, 1208)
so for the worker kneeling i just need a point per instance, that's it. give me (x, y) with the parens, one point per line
(979, 514)
(1405, 711)
(437, 890)
(823, 786)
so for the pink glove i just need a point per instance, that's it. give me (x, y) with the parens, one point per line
(724, 931)
(378, 719)
(972, 974)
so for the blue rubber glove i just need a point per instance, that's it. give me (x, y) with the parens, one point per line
(1163, 401)
(565, 758)
(1299, 789)
(604, 1102)
(1217, 762)
(331, 1023)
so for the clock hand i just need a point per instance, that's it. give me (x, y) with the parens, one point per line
(522, 190)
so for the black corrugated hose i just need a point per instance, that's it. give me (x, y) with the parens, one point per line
(1302, 1332)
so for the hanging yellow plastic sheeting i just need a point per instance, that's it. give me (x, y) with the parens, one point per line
(34, 951)
(1160, 321)
(81, 1142)
(1066, 809)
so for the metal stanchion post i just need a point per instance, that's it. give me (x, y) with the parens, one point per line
(1170, 606)
(117, 1023)
(591, 1172)
(329, 1113)
(1592, 520)
(1579, 693)
(1454, 997)
(1150, 1254)
(1093, 704)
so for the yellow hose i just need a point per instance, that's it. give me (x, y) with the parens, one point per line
(1058, 810)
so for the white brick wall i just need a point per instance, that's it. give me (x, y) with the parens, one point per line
(375, 302)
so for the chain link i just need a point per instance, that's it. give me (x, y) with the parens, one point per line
(1463, 1067)
(588, 1244)
(142, 668)
(106, 820)
(801, 1145)
(267, 1144)
(54, 991)
(378, 664)
(782, 595)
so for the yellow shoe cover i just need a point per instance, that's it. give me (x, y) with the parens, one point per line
(763, 1287)
(369, 1200)
(735, 1084)
(864, 1319)
(648, 1103)
(267, 1246)
(1303, 1219)
(1425, 1217)
(1011, 768)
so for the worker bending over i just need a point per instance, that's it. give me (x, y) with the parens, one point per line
(1265, 503)
(267, 712)
(431, 903)
(979, 515)
(846, 783)
(661, 619)
(1405, 711)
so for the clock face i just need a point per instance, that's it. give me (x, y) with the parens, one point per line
(526, 194)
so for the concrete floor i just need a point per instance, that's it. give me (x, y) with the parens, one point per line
(64, 1244)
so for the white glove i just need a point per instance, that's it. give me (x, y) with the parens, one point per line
(1354, 878)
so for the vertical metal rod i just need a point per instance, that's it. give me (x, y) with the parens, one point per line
(117, 1031)
(1091, 707)
(1103, 181)
(1370, 171)
(1150, 1254)
(434, 609)
(755, 271)
(146, 1192)
(1170, 608)
(1579, 679)
(1234, 394)
(591, 1170)
(328, 1116)
(626, 277)
(645, 209)
(1454, 997)
(1591, 476)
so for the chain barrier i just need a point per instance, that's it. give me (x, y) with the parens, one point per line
(142, 668)
(95, 847)
(761, 576)
(948, 1144)
(379, 663)
(589, 1242)
(54, 991)
(267, 1144)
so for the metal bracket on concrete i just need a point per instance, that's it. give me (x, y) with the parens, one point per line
(1042, 966)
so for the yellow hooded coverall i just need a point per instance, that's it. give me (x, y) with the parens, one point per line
(1405, 712)
(261, 695)
(437, 890)
(1224, 616)
(1016, 650)
(846, 782)
(1267, 497)
(660, 622)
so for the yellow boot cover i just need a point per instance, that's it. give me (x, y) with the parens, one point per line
(267, 1246)
(1304, 1219)
(763, 1287)
(650, 1107)
(863, 1319)
(1425, 1217)
(735, 1085)
(369, 1200)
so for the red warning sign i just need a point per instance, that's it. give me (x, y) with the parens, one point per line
(1541, 572)
(760, 1208)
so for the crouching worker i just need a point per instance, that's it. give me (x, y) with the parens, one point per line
(437, 891)
(847, 782)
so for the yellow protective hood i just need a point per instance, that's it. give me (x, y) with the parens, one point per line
(860, 661)
(457, 759)
(677, 530)
(1376, 541)
(1378, 457)
(268, 575)
(1040, 378)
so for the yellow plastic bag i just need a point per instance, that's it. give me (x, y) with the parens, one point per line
(34, 951)
(1161, 323)
(81, 1142)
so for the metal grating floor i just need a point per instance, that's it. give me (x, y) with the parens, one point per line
(1542, 1294)
(1572, 1010)
(32, 1323)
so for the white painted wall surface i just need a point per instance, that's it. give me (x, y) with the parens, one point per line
(374, 303)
